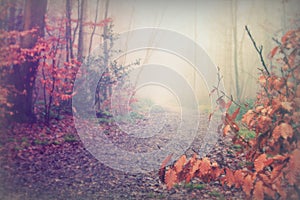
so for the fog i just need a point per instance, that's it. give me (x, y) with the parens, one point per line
(218, 27)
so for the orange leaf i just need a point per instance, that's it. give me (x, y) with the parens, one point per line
(276, 172)
(265, 178)
(179, 164)
(293, 168)
(286, 36)
(170, 178)
(258, 191)
(287, 106)
(230, 179)
(273, 52)
(277, 186)
(279, 157)
(216, 171)
(205, 166)
(284, 130)
(259, 162)
(248, 117)
(248, 185)
(226, 130)
(187, 173)
(262, 80)
(239, 177)
(195, 167)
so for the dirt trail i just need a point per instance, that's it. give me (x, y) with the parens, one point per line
(67, 170)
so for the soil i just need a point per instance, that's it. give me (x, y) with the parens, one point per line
(51, 162)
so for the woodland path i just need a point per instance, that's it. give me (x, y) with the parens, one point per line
(36, 165)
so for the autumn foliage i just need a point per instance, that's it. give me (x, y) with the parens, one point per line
(274, 152)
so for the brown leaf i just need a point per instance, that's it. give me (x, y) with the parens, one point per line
(265, 178)
(277, 171)
(239, 177)
(187, 173)
(180, 163)
(273, 51)
(280, 157)
(262, 80)
(230, 179)
(287, 106)
(248, 185)
(216, 171)
(226, 130)
(235, 113)
(205, 166)
(170, 178)
(293, 168)
(269, 192)
(263, 124)
(258, 192)
(277, 186)
(259, 162)
(248, 117)
(283, 130)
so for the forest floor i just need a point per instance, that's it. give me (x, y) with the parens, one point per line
(50, 162)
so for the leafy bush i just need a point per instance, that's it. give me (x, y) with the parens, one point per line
(271, 141)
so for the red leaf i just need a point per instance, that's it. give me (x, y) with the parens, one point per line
(179, 164)
(228, 105)
(283, 130)
(259, 162)
(273, 52)
(226, 130)
(248, 185)
(258, 192)
(230, 179)
(170, 178)
(235, 113)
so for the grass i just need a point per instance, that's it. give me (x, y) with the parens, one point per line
(40, 142)
(216, 194)
(70, 138)
(247, 134)
(153, 195)
(191, 186)
(243, 109)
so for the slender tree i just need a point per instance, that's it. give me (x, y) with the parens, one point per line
(81, 19)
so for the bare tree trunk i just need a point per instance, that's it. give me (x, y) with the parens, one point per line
(235, 47)
(23, 77)
(69, 46)
(94, 28)
(80, 33)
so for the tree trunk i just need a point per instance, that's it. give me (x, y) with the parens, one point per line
(23, 77)
(81, 28)
(235, 47)
(69, 46)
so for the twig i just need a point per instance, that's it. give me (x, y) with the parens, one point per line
(259, 51)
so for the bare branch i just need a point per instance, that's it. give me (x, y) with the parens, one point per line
(259, 51)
